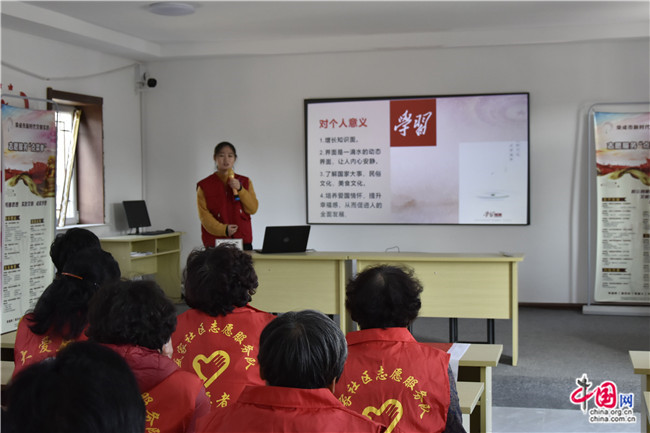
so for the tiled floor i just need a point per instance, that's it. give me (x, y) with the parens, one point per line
(531, 420)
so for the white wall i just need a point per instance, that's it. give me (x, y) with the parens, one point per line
(257, 103)
(32, 64)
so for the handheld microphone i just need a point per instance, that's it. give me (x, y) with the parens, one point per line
(231, 175)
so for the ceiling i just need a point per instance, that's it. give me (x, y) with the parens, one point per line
(128, 29)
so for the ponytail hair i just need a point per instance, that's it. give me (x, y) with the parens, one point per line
(63, 306)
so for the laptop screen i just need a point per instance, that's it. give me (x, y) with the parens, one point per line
(285, 239)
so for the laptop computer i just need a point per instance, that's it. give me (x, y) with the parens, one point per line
(285, 239)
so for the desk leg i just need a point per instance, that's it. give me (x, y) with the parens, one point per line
(490, 331)
(486, 400)
(514, 315)
(453, 330)
(481, 417)
(640, 406)
(343, 314)
(515, 337)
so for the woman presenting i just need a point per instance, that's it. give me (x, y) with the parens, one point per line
(226, 201)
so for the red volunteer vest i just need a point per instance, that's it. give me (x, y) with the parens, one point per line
(31, 348)
(221, 351)
(393, 379)
(222, 204)
(278, 409)
(170, 405)
(173, 398)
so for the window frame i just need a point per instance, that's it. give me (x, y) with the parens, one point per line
(90, 154)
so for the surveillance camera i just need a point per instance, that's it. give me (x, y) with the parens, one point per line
(142, 79)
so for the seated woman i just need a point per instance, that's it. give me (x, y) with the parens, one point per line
(60, 314)
(67, 244)
(136, 320)
(86, 388)
(216, 339)
(389, 376)
(301, 358)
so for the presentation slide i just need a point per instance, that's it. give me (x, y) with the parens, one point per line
(459, 159)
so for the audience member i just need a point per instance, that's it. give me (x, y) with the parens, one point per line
(136, 320)
(87, 388)
(389, 376)
(217, 338)
(301, 357)
(67, 244)
(60, 314)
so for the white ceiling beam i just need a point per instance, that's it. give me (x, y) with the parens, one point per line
(26, 18)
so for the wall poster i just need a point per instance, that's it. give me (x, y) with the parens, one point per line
(622, 142)
(29, 140)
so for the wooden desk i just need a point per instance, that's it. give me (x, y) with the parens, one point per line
(158, 255)
(7, 344)
(476, 366)
(474, 286)
(6, 372)
(641, 364)
(298, 281)
(468, 396)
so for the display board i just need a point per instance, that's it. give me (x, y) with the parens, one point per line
(622, 149)
(29, 141)
(455, 159)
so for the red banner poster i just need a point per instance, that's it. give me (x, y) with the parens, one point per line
(28, 203)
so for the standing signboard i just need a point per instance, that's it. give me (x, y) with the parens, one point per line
(622, 146)
(29, 139)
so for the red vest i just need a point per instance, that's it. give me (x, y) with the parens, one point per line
(393, 379)
(222, 204)
(221, 351)
(170, 405)
(174, 399)
(278, 409)
(31, 348)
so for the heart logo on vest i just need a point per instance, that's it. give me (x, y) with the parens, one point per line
(393, 409)
(219, 358)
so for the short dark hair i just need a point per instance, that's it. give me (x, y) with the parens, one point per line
(63, 307)
(384, 296)
(85, 388)
(67, 244)
(132, 312)
(303, 349)
(223, 144)
(218, 279)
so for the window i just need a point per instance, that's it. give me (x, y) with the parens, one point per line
(85, 180)
(67, 128)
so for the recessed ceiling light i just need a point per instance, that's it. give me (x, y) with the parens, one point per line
(172, 9)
